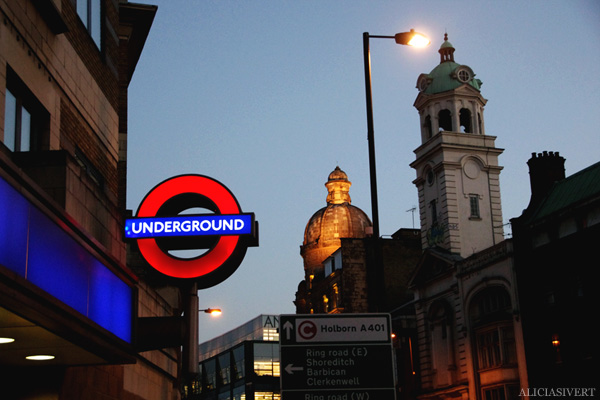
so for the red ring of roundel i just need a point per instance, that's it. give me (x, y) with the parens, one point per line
(212, 259)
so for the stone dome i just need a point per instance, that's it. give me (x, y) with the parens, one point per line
(339, 219)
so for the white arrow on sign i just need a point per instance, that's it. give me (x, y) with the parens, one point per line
(290, 369)
(288, 327)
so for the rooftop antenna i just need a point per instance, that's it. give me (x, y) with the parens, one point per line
(412, 210)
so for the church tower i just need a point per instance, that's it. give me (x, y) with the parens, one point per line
(457, 163)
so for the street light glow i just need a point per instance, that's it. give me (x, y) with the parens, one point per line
(215, 312)
(419, 40)
(412, 38)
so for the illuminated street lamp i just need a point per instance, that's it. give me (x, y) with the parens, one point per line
(411, 38)
(215, 312)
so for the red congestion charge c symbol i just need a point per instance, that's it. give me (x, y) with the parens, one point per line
(212, 259)
(307, 330)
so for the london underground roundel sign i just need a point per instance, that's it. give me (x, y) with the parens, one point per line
(161, 226)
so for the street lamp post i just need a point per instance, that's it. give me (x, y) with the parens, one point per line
(411, 38)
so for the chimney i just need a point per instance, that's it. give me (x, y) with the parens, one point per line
(544, 170)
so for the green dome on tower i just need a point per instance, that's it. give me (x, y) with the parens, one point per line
(448, 75)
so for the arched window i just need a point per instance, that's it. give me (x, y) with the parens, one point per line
(445, 120)
(428, 128)
(465, 121)
(491, 316)
(491, 304)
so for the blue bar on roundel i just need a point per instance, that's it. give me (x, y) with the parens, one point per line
(189, 225)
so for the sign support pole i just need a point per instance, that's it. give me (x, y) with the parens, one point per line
(193, 326)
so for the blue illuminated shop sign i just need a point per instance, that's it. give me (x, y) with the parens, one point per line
(47, 255)
(189, 225)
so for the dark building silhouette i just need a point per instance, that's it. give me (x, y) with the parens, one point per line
(554, 242)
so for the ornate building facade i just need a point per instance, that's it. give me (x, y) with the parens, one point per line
(470, 340)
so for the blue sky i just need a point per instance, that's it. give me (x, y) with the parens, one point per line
(268, 97)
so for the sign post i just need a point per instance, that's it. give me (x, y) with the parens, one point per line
(336, 357)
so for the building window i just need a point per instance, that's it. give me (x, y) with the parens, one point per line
(239, 393)
(434, 214)
(465, 121)
(266, 359)
(90, 13)
(430, 177)
(445, 120)
(224, 394)
(25, 120)
(494, 394)
(266, 396)
(428, 127)
(474, 204)
(496, 347)
(17, 121)
(225, 368)
(464, 76)
(238, 370)
(494, 335)
(193, 386)
(494, 303)
(210, 374)
(507, 392)
(270, 334)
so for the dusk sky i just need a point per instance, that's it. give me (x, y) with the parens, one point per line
(268, 97)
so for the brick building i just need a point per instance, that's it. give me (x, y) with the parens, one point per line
(65, 289)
